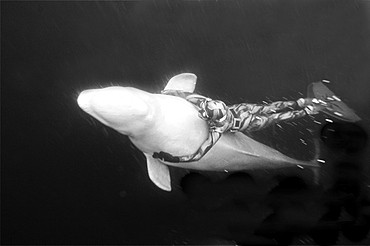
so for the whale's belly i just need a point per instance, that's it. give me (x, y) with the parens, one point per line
(177, 129)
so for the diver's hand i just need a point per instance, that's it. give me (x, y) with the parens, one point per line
(304, 102)
(311, 110)
(312, 106)
(164, 156)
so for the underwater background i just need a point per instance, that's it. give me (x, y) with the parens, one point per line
(67, 179)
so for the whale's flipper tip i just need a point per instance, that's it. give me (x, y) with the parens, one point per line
(159, 173)
(182, 82)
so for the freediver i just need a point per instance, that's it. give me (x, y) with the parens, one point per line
(247, 117)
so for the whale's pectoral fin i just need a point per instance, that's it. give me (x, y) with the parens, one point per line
(183, 82)
(159, 173)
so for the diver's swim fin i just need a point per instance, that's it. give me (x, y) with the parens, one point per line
(333, 106)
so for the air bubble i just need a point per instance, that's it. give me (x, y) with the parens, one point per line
(336, 98)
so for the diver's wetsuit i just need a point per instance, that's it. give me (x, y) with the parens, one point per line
(256, 117)
(242, 117)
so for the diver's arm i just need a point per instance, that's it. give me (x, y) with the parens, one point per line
(213, 137)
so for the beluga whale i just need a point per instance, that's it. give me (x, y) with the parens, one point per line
(158, 122)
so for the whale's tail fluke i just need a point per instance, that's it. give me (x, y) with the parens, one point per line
(316, 160)
(315, 163)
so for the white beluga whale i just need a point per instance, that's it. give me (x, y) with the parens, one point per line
(159, 122)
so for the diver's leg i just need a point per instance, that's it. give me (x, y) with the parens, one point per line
(286, 116)
(249, 117)
(275, 107)
(258, 122)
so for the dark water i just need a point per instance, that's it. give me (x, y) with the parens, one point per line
(66, 179)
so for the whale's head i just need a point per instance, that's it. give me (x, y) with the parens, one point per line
(124, 109)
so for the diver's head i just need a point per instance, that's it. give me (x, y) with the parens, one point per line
(214, 109)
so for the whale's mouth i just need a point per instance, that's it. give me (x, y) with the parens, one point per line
(84, 102)
(84, 99)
